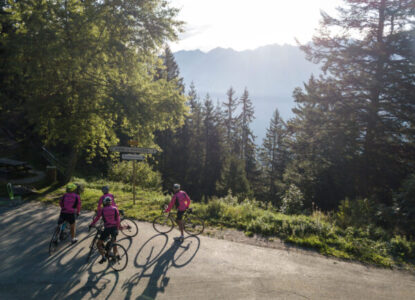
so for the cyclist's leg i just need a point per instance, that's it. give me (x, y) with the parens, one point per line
(100, 244)
(72, 223)
(114, 234)
(179, 221)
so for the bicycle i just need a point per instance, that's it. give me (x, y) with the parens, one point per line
(117, 264)
(61, 233)
(128, 226)
(193, 225)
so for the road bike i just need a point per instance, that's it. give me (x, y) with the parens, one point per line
(117, 263)
(60, 234)
(193, 225)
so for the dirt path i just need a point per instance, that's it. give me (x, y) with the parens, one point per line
(199, 268)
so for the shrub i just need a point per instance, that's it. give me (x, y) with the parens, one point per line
(292, 201)
(146, 177)
(401, 247)
(357, 212)
(214, 209)
(405, 205)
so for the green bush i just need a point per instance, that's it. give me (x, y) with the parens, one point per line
(401, 247)
(146, 177)
(214, 209)
(405, 206)
(357, 212)
(292, 201)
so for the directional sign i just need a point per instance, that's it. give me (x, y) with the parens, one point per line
(125, 156)
(133, 150)
(133, 143)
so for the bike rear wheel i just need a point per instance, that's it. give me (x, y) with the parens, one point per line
(129, 227)
(121, 263)
(163, 224)
(194, 225)
(53, 244)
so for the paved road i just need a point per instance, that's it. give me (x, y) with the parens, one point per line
(200, 268)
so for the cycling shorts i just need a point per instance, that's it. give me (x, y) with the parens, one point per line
(109, 231)
(180, 215)
(70, 218)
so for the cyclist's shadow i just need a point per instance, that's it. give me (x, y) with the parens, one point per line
(178, 255)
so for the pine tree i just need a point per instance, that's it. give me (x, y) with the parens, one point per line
(212, 161)
(369, 71)
(247, 138)
(231, 105)
(274, 158)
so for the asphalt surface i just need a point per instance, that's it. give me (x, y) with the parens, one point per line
(158, 268)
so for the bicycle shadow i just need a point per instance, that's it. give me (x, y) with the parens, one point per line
(64, 275)
(155, 263)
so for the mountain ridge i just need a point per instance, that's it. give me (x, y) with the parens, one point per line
(270, 73)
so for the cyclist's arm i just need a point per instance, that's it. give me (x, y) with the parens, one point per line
(187, 200)
(113, 201)
(100, 203)
(96, 218)
(79, 204)
(118, 219)
(173, 200)
(61, 202)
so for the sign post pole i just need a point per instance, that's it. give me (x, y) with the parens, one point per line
(133, 153)
(134, 176)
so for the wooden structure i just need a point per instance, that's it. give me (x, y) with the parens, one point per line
(11, 166)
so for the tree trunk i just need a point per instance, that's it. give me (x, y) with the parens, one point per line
(73, 160)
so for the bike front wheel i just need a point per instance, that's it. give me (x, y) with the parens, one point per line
(53, 244)
(92, 248)
(129, 227)
(119, 264)
(194, 225)
(163, 224)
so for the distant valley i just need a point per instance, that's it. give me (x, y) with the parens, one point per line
(270, 73)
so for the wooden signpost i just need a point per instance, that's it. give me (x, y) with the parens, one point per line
(133, 153)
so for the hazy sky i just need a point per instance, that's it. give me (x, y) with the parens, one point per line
(248, 24)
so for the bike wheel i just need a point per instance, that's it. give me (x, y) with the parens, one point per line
(194, 225)
(121, 263)
(92, 247)
(129, 227)
(163, 224)
(53, 244)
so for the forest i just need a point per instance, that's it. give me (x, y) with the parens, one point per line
(80, 76)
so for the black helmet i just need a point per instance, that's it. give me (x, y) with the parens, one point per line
(176, 186)
(105, 189)
(107, 201)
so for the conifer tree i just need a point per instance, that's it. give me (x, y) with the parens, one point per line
(274, 158)
(363, 102)
(230, 121)
(247, 138)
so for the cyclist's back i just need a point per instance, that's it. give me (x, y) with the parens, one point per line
(106, 193)
(110, 215)
(70, 203)
(181, 200)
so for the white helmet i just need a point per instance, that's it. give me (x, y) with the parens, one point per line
(107, 201)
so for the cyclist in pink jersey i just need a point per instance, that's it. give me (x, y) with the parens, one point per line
(70, 204)
(182, 202)
(106, 193)
(111, 218)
